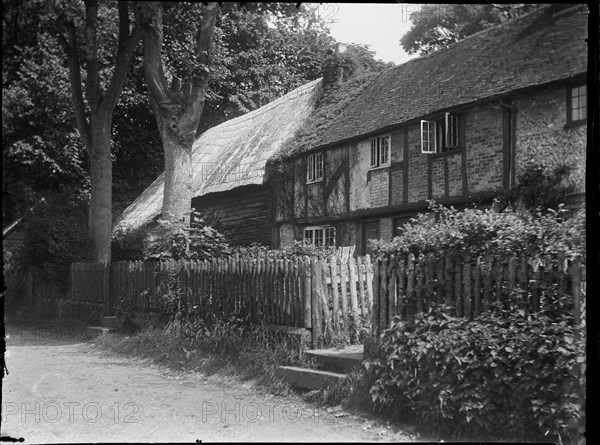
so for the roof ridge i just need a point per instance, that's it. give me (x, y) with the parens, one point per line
(510, 21)
(301, 90)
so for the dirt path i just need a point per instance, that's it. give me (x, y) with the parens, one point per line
(63, 390)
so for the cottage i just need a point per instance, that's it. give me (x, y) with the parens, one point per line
(459, 125)
(229, 170)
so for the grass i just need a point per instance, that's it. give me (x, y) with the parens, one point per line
(231, 347)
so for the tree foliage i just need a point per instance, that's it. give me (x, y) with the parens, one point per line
(436, 26)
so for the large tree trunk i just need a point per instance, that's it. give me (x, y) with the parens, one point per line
(177, 108)
(100, 212)
(178, 180)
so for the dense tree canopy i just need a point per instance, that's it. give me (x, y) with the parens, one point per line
(436, 26)
(261, 51)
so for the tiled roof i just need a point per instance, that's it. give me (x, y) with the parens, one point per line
(542, 46)
(234, 153)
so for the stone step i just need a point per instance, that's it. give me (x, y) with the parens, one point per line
(110, 322)
(308, 378)
(95, 331)
(338, 360)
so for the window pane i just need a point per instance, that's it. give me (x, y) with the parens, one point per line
(308, 235)
(330, 236)
(384, 150)
(318, 166)
(374, 152)
(318, 237)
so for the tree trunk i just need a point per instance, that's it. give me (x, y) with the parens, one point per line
(178, 179)
(100, 213)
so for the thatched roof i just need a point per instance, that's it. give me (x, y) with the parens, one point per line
(234, 153)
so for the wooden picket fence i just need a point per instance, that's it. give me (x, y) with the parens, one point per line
(327, 296)
(404, 286)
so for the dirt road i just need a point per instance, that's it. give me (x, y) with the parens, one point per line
(64, 389)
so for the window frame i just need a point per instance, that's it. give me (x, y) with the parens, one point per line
(376, 153)
(324, 233)
(443, 134)
(576, 122)
(315, 168)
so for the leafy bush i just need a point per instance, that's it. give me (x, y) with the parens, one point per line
(297, 248)
(56, 236)
(542, 188)
(505, 375)
(197, 242)
(477, 232)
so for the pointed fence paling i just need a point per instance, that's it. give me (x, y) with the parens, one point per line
(325, 295)
(406, 285)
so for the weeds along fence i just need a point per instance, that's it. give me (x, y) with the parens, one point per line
(331, 297)
(406, 285)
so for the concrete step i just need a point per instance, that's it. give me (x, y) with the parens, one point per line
(95, 331)
(308, 378)
(338, 360)
(110, 322)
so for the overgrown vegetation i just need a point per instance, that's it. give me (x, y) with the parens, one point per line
(55, 236)
(506, 375)
(509, 374)
(487, 231)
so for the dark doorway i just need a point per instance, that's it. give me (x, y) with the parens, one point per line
(370, 232)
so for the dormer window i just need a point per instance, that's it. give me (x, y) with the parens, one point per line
(380, 151)
(440, 135)
(576, 104)
(314, 168)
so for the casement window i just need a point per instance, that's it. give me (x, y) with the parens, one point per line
(314, 168)
(576, 104)
(320, 236)
(440, 135)
(380, 151)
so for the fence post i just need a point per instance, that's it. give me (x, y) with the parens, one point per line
(419, 282)
(315, 300)
(477, 288)
(401, 295)
(369, 275)
(375, 328)
(333, 271)
(383, 294)
(392, 296)
(307, 298)
(353, 280)
(361, 286)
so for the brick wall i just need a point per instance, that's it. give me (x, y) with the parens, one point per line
(397, 177)
(438, 189)
(380, 187)
(455, 187)
(484, 143)
(542, 138)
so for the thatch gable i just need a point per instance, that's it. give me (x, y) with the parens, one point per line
(234, 153)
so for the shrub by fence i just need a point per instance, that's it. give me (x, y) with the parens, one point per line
(329, 296)
(406, 285)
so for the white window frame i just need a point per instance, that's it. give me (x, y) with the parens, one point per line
(381, 151)
(451, 136)
(314, 168)
(322, 233)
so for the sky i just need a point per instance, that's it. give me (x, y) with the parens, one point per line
(378, 25)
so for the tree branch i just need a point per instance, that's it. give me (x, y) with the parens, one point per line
(151, 19)
(195, 101)
(91, 54)
(127, 44)
(70, 48)
(123, 27)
